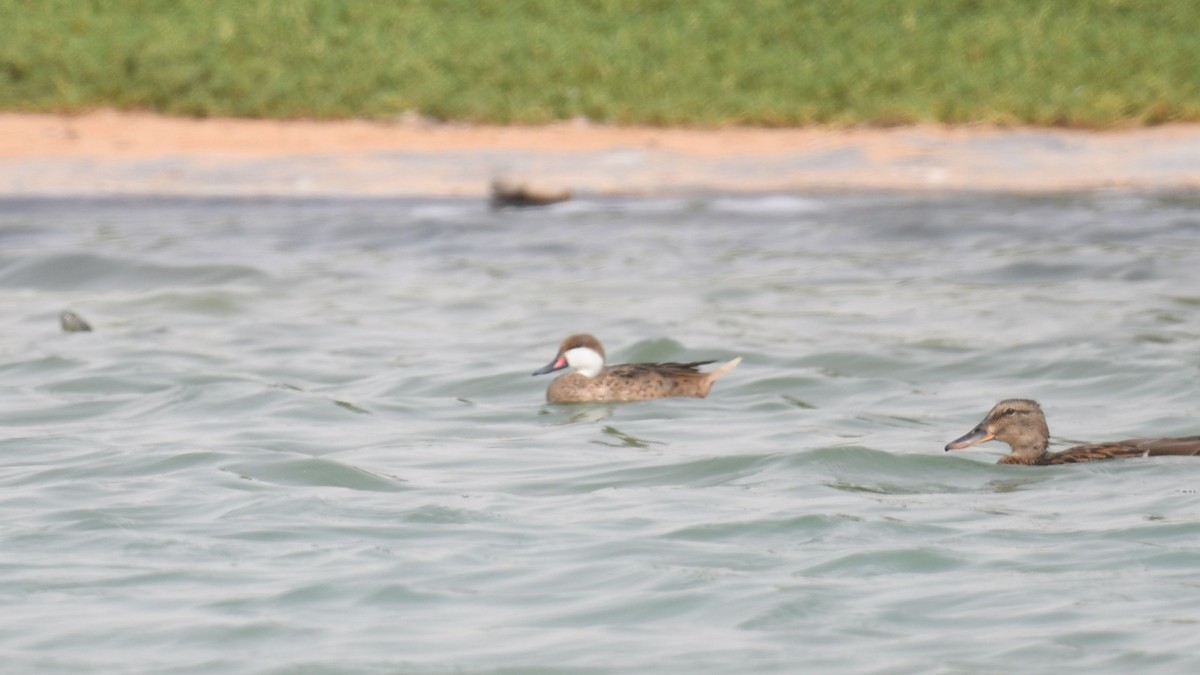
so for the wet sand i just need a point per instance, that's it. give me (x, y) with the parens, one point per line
(111, 153)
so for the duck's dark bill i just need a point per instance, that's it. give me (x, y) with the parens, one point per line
(556, 364)
(978, 435)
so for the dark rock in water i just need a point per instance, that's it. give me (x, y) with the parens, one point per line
(73, 323)
(505, 194)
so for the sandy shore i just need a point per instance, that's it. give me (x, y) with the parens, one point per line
(110, 153)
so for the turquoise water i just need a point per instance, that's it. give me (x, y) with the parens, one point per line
(303, 437)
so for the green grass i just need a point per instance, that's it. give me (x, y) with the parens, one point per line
(1079, 63)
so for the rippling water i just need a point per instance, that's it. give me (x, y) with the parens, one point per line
(303, 437)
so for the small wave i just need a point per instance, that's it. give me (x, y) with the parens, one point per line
(94, 272)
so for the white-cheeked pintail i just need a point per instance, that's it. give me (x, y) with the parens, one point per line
(594, 381)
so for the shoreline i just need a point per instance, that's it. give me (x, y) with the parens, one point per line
(108, 153)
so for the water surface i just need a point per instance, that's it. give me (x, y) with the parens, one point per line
(303, 437)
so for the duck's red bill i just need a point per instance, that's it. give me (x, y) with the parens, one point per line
(557, 364)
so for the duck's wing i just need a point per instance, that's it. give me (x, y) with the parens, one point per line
(1134, 447)
(672, 367)
(1188, 446)
(669, 369)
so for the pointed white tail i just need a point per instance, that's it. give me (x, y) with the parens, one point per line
(714, 374)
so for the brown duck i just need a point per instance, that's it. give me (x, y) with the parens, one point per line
(1020, 423)
(593, 381)
(505, 193)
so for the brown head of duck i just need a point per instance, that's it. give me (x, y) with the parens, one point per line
(594, 381)
(1020, 423)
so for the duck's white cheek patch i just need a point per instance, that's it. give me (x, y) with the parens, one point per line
(585, 360)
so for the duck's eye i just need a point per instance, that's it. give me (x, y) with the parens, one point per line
(1010, 411)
